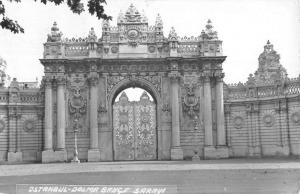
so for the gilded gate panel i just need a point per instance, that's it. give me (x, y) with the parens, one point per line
(134, 129)
(145, 128)
(123, 120)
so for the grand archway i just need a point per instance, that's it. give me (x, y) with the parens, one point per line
(134, 128)
(183, 75)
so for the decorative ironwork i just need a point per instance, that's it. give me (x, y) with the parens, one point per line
(134, 129)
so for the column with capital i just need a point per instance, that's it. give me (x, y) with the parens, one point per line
(48, 122)
(93, 152)
(47, 153)
(222, 149)
(176, 150)
(221, 139)
(60, 152)
(207, 112)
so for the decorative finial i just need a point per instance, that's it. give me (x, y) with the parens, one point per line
(209, 25)
(55, 35)
(123, 97)
(172, 34)
(120, 17)
(92, 35)
(144, 96)
(144, 17)
(158, 20)
(54, 27)
(209, 33)
(132, 15)
(268, 47)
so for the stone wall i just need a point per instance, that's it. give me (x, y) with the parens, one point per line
(21, 123)
(263, 120)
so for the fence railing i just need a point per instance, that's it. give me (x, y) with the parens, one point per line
(243, 91)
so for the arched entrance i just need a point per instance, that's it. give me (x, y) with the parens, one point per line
(134, 128)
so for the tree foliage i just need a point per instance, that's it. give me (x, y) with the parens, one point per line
(95, 7)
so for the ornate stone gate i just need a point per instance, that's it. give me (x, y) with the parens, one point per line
(83, 77)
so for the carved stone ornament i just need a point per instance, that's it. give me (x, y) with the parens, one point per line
(2, 125)
(165, 108)
(29, 125)
(77, 104)
(114, 49)
(151, 49)
(106, 50)
(268, 120)
(295, 118)
(155, 80)
(102, 109)
(132, 34)
(190, 102)
(238, 122)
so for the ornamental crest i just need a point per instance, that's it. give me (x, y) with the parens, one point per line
(191, 102)
(77, 104)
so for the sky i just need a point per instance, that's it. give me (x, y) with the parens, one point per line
(243, 25)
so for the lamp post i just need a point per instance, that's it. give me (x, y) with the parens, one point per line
(75, 158)
(196, 127)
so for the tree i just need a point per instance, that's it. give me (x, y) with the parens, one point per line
(95, 7)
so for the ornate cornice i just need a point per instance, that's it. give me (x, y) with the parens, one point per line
(215, 59)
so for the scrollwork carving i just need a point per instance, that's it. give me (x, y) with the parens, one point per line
(191, 103)
(155, 80)
(77, 104)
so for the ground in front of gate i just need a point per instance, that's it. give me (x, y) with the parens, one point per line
(215, 176)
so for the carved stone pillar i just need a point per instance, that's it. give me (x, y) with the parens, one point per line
(60, 154)
(93, 153)
(61, 114)
(207, 112)
(221, 139)
(48, 120)
(210, 151)
(48, 154)
(176, 150)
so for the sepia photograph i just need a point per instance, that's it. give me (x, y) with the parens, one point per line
(150, 96)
